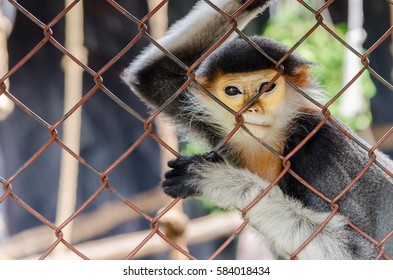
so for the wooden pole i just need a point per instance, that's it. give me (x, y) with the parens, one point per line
(175, 221)
(86, 226)
(6, 106)
(200, 230)
(73, 88)
(353, 102)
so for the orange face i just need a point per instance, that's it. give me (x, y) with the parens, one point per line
(237, 89)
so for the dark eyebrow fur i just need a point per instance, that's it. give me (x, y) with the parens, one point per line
(249, 59)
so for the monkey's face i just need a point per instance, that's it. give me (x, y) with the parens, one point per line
(237, 89)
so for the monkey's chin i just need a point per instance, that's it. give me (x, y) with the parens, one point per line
(259, 131)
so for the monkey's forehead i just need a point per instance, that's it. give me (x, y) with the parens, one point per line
(240, 56)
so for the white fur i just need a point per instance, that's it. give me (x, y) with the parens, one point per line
(285, 222)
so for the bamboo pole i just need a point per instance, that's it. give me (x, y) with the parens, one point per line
(175, 221)
(73, 88)
(6, 106)
(86, 226)
(199, 230)
(353, 102)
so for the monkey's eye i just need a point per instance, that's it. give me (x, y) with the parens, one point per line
(232, 91)
(269, 89)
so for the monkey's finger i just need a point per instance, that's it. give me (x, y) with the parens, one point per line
(173, 173)
(170, 192)
(213, 156)
(170, 182)
(180, 162)
(174, 189)
(179, 190)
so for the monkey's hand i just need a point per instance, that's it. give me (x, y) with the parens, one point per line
(184, 178)
(209, 176)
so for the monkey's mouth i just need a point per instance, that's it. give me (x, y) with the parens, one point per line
(264, 125)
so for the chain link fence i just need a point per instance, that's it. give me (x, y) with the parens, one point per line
(138, 244)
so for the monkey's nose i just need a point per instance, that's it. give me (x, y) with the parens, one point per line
(253, 110)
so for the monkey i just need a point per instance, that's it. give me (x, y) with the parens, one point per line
(241, 76)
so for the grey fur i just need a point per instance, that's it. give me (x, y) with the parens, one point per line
(289, 213)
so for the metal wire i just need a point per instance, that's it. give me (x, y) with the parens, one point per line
(97, 77)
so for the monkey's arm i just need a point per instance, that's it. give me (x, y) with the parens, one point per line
(155, 77)
(285, 222)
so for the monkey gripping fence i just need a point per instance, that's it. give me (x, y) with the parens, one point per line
(54, 139)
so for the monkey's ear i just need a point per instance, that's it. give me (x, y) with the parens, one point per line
(300, 76)
(204, 81)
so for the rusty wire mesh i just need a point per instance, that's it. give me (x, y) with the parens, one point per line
(102, 175)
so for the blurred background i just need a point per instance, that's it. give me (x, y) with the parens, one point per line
(104, 129)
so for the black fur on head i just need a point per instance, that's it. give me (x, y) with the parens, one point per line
(239, 56)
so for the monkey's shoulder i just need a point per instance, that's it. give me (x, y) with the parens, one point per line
(327, 161)
(326, 137)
